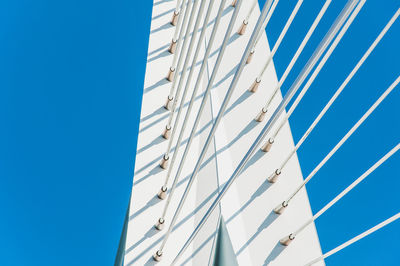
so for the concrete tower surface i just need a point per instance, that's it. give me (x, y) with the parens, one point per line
(250, 223)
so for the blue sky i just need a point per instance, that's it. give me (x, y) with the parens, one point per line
(71, 79)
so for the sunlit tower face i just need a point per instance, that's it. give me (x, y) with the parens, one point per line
(217, 178)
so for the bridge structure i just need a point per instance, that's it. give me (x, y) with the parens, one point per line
(217, 179)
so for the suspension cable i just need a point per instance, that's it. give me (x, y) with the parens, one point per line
(285, 203)
(273, 177)
(168, 127)
(301, 94)
(239, 69)
(280, 38)
(288, 239)
(158, 254)
(310, 31)
(264, 26)
(179, 29)
(355, 239)
(327, 39)
(243, 27)
(164, 161)
(251, 10)
(176, 13)
(181, 50)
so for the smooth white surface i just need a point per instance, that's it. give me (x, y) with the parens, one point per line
(247, 208)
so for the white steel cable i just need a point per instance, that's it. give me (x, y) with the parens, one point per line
(239, 70)
(186, 119)
(327, 39)
(266, 23)
(178, 5)
(245, 22)
(355, 239)
(184, 70)
(281, 36)
(176, 12)
(339, 90)
(313, 76)
(246, 19)
(347, 190)
(178, 27)
(173, 96)
(296, 55)
(204, 101)
(179, 51)
(343, 140)
(271, 11)
(196, 87)
(358, 180)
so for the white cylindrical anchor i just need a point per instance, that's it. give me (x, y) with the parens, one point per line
(162, 194)
(287, 240)
(174, 19)
(250, 57)
(272, 178)
(160, 224)
(254, 86)
(243, 27)
(170, 75)
(261, 115)
(167, 132)
(157, 256)
(168, 103)
(280, 208)
(267, 146)
(164, 161)
(172, 46)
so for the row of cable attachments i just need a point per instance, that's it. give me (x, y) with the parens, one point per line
(183, 18)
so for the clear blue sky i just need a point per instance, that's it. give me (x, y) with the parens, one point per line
(71, 78)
